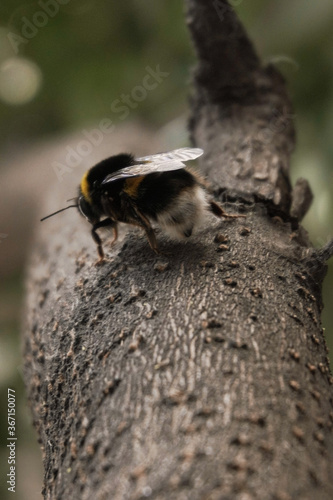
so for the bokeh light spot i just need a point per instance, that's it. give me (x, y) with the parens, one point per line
(20, 80)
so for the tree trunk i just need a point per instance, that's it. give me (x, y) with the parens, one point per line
(202, 374)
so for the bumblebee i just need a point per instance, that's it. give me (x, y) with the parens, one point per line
(153, 189)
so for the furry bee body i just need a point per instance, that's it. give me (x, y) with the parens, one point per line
(154, 189)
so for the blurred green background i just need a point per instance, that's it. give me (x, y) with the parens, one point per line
(64, 62)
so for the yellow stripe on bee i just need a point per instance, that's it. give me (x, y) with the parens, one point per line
(85, 187)
(132, 184)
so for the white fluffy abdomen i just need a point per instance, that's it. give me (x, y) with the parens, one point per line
(186, 214)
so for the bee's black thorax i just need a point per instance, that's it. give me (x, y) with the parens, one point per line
(157, 192)
(111, 165)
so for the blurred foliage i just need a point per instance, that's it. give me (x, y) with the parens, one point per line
(90, 52)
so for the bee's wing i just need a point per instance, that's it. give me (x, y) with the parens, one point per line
(161, 162)
(182, 154)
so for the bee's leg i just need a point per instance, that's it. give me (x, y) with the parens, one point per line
(97, 239)
(115, 234)
(219, 212)
(143, 222)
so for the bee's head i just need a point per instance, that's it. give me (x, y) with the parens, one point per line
(87, 198)
(86, 209)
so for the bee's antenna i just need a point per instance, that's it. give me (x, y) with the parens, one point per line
(61, 210)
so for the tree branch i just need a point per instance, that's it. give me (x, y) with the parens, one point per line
(241, 113)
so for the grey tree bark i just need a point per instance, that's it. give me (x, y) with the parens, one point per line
(202, 374)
